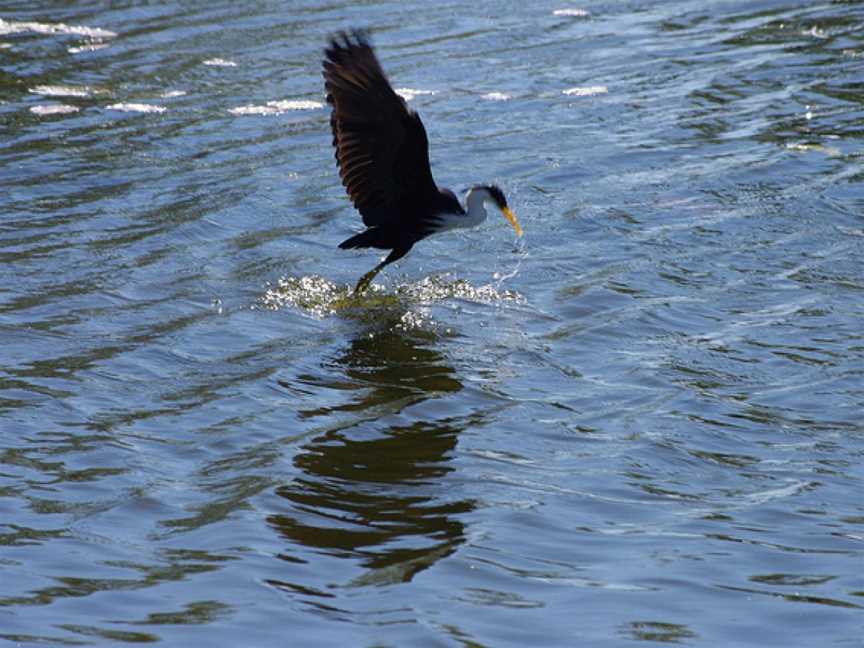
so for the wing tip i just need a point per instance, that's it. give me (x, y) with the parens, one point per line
(346, 40)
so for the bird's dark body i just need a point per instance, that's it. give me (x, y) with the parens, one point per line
(382, 152)
(403, 238)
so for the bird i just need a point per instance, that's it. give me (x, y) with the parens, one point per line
(382, 154)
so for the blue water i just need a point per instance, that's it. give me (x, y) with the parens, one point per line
(641, 422)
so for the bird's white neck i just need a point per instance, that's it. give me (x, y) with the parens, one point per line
(475, 212)
(475, 201)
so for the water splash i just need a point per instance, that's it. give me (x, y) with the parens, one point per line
(320, 297)
(440, 288)
(316, 295)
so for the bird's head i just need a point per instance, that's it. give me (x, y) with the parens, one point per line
(493, 194)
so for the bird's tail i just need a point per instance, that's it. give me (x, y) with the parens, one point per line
(372, 237)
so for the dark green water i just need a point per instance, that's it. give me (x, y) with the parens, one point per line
(641, 423)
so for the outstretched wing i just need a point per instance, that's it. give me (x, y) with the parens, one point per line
(381, 145)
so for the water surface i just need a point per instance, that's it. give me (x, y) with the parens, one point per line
(640, 423)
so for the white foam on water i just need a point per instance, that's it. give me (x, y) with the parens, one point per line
(277, 107)
(410, 93)
(136, 107)
(61, 91)
(13, 27)
(571, 13)
(89, 47)
(220, 62)
(53, 109)
(585, 91)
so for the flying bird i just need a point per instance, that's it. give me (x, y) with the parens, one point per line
(382, 153)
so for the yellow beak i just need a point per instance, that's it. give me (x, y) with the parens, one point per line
(512, 218)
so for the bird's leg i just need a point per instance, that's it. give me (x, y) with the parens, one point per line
(366, 279)
(395, 254)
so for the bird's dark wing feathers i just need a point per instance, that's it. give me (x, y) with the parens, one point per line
(381, 145)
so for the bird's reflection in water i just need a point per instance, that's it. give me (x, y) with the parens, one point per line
(372, 488)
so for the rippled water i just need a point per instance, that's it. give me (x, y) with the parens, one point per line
(640, 423)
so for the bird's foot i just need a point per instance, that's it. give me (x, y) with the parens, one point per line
(365, 281)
